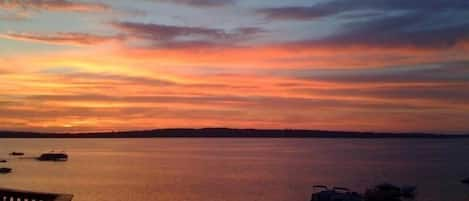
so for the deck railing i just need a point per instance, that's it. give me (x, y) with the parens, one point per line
(20, 195)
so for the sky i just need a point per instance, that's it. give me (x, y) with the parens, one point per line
(356, 65)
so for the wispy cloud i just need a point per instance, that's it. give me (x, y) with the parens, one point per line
(335, 7)
(200, 3)
(401, 31)
(14, 15)
(295, 13)
(441, 73)
(160, 32)
(55, 5)
(3, 71)
(414, 30)
(185, 36)
(60, 38)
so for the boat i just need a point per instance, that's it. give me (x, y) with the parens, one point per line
(389, 192)
(3, 161)
(17, 153)
(323, 193)
(53, 157)
(5, 170)
(465, 181)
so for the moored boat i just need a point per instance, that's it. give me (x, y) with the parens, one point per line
(323, 193)
(53, 157)
(465, 181)
(389, 192)
(5, 170)
(17, 153)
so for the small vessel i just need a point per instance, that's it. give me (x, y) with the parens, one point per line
(17, 153)
(5, 170)
(323, 193)
(465, 181)
(3, 161)
(390, 192)
(53, 157)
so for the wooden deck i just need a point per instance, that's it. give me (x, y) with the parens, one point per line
(20, 195)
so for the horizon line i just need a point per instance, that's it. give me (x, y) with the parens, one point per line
(293, 130)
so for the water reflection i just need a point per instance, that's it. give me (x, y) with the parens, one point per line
(235, 169)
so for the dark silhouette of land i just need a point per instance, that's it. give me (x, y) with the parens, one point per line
(226, 133)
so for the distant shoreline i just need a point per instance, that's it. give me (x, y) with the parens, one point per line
(229, 133)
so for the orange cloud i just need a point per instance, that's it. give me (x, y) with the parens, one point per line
(95, 87)
(97, 102)
(290, 56)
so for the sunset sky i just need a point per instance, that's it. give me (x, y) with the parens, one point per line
(360, 65)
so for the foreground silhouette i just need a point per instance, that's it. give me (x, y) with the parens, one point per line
(381, 192)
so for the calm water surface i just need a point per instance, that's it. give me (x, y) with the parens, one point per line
(236, 169)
